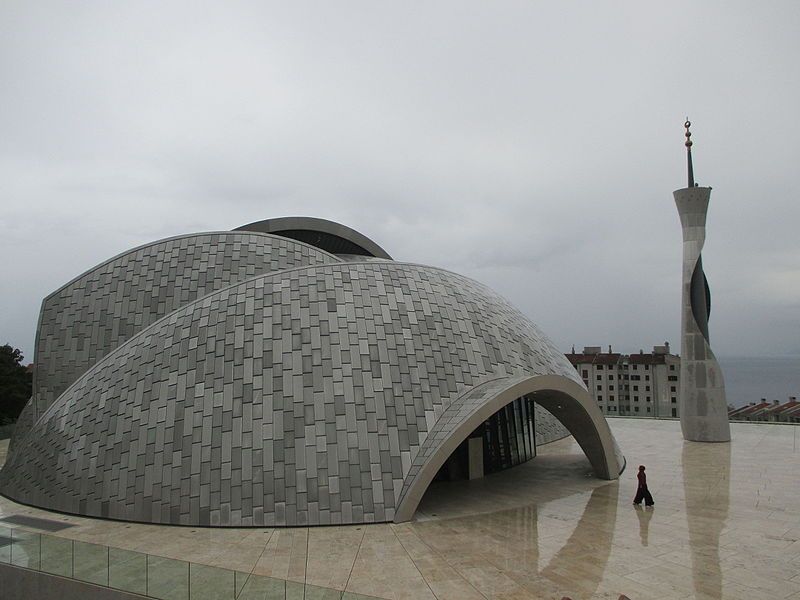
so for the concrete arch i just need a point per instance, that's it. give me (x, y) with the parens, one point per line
(327, 235)
(567, 400)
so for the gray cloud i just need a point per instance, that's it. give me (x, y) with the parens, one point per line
(532, 147)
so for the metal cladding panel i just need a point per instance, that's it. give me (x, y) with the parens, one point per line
(300, 397)
(93, 314)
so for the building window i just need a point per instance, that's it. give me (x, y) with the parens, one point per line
(672, 378)
(635, 367)
(636, 388)
(599, 367)
(647, 367)
(672, 389)
(647, 388)
(599, 378)
(611, 377)
(636, 398)
(672, 368)
(648, 409)
(647, 398)
(599, 398)
(647, 377)
(599, 388)
(674, 412)
(635, 409)
(611, 398)
(611, 387)
(585, 374)
(674, 400)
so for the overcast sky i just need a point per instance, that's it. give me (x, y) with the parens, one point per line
(531, 146)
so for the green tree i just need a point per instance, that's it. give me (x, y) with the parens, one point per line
(15, 384)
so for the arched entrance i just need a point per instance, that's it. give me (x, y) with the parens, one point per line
(568, 401)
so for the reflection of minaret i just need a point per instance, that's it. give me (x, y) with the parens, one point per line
(706, 485)
(703, 408)
(592, 537)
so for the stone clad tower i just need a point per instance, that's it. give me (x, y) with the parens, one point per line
(703, 407)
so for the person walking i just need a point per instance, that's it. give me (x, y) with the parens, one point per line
(642, 493)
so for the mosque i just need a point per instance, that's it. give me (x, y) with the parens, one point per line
(286, 373)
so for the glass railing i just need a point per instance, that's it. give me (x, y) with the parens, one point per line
(149, 575)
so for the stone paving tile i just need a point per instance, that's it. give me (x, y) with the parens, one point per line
(444, 581)
(331, 555)
(285, 555)
(554, 531)
(384, 569)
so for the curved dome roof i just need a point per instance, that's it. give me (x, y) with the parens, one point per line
(328, 235)
(314, 391)
(97, 311)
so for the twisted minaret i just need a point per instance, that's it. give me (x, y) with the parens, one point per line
(703, 408)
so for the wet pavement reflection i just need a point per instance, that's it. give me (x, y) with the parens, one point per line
(644, 515)
(726, 525)
(706, 481)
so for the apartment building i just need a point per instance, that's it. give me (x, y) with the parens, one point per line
(643, 384)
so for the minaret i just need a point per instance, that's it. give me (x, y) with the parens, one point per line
(703, 408)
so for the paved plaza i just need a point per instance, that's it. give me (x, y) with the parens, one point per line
(726, 524)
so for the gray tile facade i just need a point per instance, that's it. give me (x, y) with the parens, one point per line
(93, 314)
(293, 397)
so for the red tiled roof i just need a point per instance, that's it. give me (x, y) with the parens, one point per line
(751, 409)
(793, 411)
(734, 411)
(648, 359)
(601, 358)
(779, 408)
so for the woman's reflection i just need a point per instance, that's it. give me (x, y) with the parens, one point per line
(644, 514)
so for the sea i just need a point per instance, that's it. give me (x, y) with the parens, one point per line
(749, 379)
